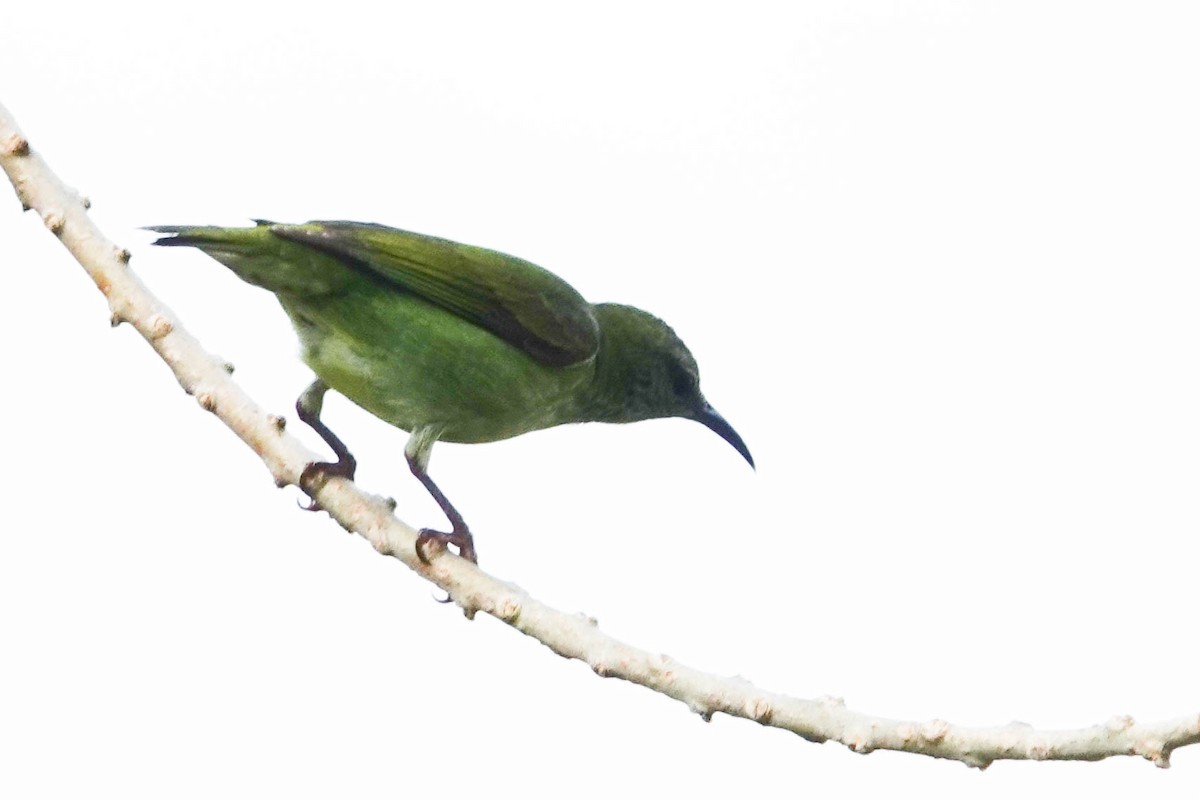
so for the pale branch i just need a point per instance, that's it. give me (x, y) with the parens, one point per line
(572, 636)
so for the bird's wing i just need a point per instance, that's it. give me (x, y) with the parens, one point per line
(520, 302)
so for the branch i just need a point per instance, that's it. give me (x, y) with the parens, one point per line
(206, 378)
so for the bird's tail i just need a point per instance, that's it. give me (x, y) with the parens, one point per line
(258, 256)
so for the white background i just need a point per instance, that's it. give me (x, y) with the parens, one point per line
(938, 263)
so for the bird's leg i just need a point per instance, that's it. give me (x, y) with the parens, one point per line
(308, 407)
(417, 454)
(459, 535)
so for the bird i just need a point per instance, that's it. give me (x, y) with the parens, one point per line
(452, 342)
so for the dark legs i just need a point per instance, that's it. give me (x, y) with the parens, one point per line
(417, 454)
(308, 407)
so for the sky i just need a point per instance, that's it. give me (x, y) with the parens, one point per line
(936, 260)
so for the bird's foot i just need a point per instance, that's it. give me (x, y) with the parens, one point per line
(459, 537)
(317, 472)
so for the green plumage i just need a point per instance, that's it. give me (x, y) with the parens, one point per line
(455, 342)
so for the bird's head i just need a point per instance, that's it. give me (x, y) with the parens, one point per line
(647, 372)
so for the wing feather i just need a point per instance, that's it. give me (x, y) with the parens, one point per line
(520, 302)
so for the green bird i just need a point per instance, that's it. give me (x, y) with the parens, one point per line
(453, 342)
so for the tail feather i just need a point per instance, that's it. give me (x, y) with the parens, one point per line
(186, 235)
(259, 257)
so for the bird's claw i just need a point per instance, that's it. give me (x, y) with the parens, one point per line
(461, 539)
(317, 472)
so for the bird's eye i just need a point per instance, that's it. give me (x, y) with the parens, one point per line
(683, 384)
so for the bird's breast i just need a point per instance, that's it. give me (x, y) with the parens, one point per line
(413, 364)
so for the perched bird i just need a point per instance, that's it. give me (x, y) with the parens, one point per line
(453, 342)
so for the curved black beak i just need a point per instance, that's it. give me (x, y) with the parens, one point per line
(709, 417)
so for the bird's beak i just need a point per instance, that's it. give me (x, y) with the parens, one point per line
(709, 417)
